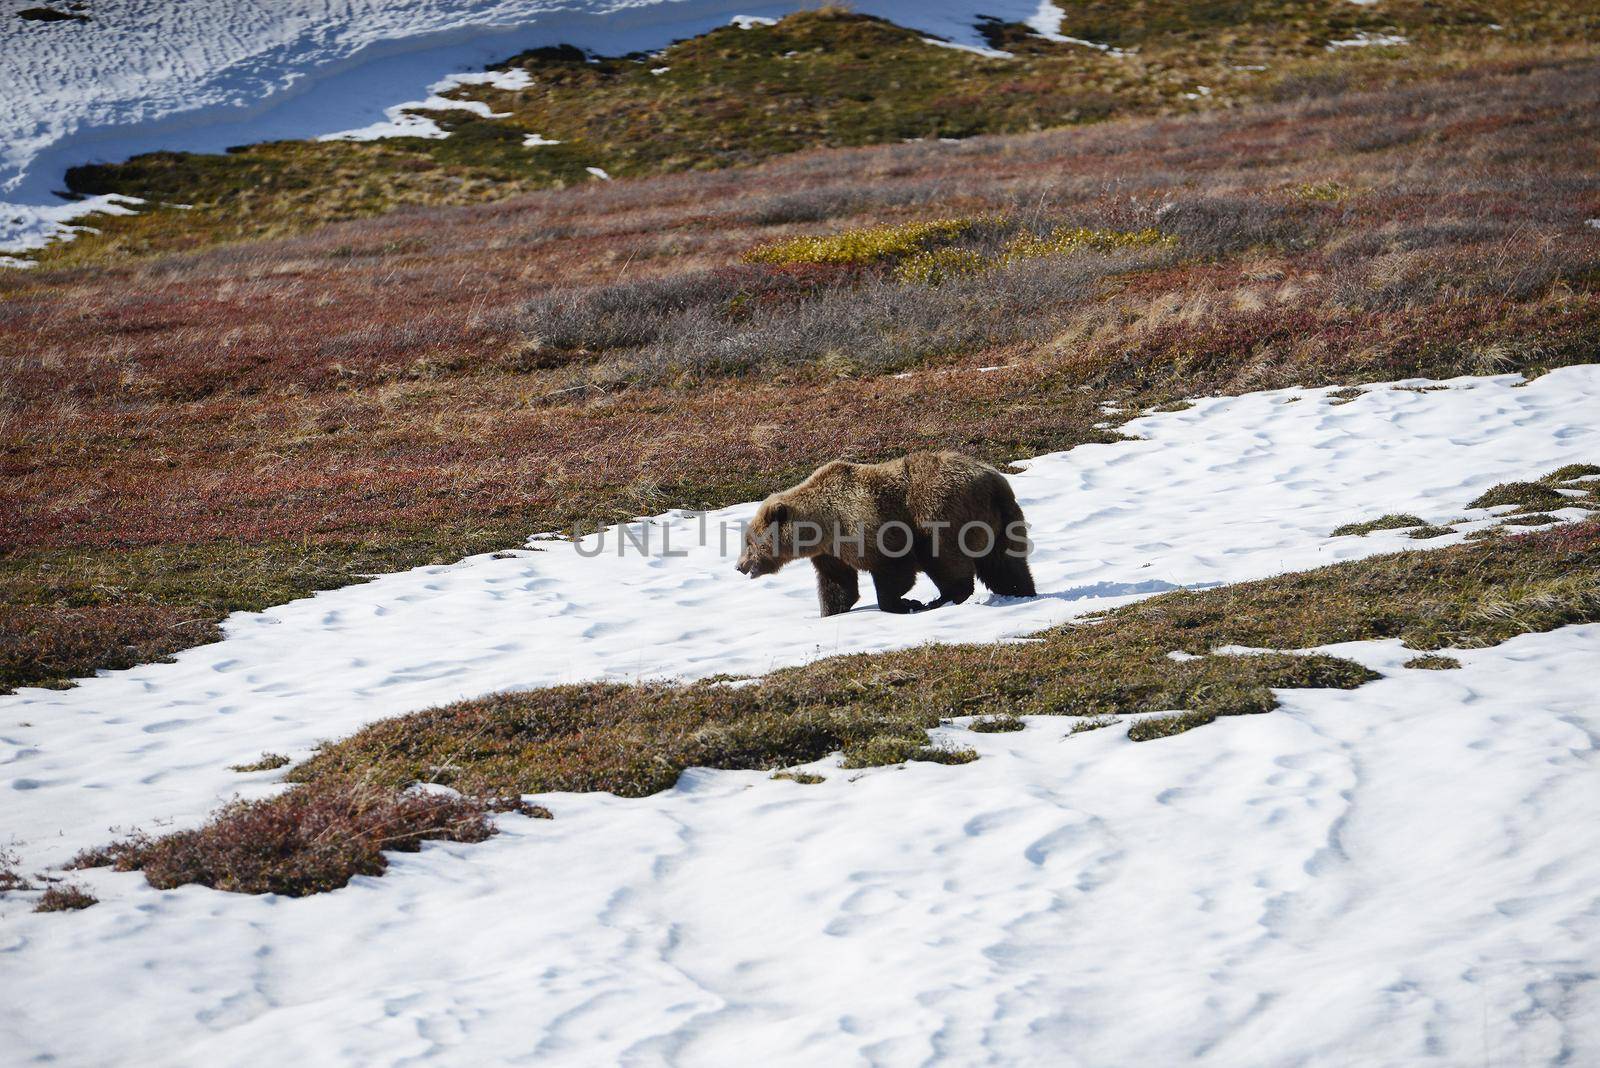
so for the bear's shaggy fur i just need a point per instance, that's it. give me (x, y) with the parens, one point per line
(940, 513)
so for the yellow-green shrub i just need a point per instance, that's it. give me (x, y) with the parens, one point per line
(873, 244)
(1068, 239)
(933, 266)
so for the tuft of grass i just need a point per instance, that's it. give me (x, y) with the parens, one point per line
(1432, 662)
(996, 724)
(1428, 532)
(306, 840)
(1344, 396)
(1393, 521)
(10, 878)
(266, 762)
(1570, 472)
(1152, 727)
(1524, 496)
(804, 778)
(880, 750)
(1093, 723)
(1529, 520)
(67, 897)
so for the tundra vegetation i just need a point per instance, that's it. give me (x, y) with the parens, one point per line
(189, 434)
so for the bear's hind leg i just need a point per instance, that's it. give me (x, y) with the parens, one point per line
(838, 588)
(893, 580)
(953, 575)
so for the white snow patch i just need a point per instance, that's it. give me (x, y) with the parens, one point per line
(535, 140)
(1400, 874)
(402, 120)
(977, 50)
(599, 173)
(750, 22)
(1046, 22)
(1592, 222)
(1363, 39)
(30, 227)
(1231, 489)
(659, 70)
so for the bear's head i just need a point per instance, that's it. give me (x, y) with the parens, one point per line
(770, 541)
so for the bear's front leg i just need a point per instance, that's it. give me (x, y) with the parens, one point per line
(893, 581)
(838, 588)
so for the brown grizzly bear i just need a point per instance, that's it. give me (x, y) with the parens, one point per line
(940, 513)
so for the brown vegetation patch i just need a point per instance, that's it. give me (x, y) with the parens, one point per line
(304, 841)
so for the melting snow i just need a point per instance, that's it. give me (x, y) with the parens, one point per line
(1362, 39)
(977, 50)
(402, 121)
(26, 227)
(1046, 23)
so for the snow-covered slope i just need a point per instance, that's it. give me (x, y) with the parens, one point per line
(1404, 874)
(1401, 874)
(1234, 488)
(202, 75)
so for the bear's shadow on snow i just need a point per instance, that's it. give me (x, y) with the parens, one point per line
(1118, 589)
(1095, 591)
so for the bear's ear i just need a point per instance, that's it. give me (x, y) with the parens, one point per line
(779, 514)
